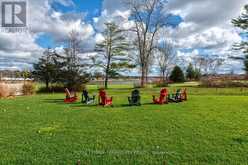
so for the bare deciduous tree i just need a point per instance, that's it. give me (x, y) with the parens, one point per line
(149, 17)
(208, 64)
(73, 47)
(165, 57)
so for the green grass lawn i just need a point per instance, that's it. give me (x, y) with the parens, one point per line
(211, 128)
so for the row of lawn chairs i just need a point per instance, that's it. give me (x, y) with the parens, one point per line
(104, 100)
(134, 100)
(165, 97)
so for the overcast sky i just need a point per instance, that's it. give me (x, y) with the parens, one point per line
(201, 27)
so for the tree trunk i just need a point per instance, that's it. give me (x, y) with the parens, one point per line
(47, 85)
(163, 76)
(143, 76)
(147, 76)
(106, 80)
(107, 74)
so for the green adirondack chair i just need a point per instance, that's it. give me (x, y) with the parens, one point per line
(134, 100)
(175, 97)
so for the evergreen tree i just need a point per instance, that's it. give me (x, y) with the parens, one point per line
(72, 74)
(246, 64)
(66, 68)
(242, 23)
(46, 70)
(198, 74)
(112, 52)
(177, 75)
(190, 72)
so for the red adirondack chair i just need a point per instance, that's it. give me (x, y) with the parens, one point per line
(163, 97)
(104, 100)
(69, 98)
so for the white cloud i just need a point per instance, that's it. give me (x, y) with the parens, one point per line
(99, 38)
(46, 20)
(21, 48)
(117, 16)
(65, 2)
(208, 12)
(112, 5)
(212, 38)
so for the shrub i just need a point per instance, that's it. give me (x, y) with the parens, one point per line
(4, 90)
(211, 83)
(59, 88)
(28, 89)
(56, 89)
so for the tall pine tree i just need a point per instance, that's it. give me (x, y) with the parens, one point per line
(190, 72)
(242, 23)
(47, 69)
(73, 73)
(112, 52)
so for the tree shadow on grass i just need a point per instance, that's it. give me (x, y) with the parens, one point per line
(61, 102)
(80, 105)
(56, 101)
(96, 106)
(74, 105)
(240, 140)
(77, 105)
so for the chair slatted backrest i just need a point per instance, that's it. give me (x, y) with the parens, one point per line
(163, 94)
(135, 95)
(68, 93)
(86, 95)
(184, 94)
(178, 93)
(103, 96)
